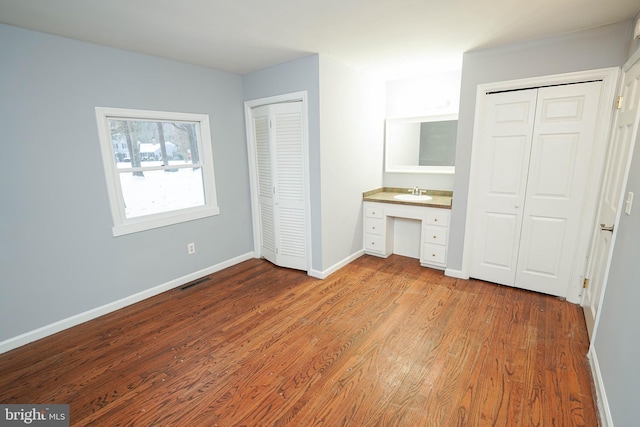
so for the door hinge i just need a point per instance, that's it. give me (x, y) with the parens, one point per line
(619, 102)
(585, 283)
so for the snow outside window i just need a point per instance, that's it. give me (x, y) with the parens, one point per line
(158, 166)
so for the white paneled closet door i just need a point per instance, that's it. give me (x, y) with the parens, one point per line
(560, 165)
(278, 131)
(501, 184)
(537, 150)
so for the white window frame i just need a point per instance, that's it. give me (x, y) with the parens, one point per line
(123, 225)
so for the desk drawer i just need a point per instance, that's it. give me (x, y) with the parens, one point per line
(373, 211)
(434, 253)
(441, 219)
(373, 242)
(373, 225)
(435, 235)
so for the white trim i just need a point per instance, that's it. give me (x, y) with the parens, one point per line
(253, 168)
(123, 225)
(253, 176)
(604, 412)
(60, 325)
(433, 170)
(458, 274)
(555, 79)
(335, 267)
(609, 77)
(606, 114)
(632, 60)
(161, 220)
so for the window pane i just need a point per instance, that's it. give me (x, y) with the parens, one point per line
(140, 143)
(152, 192)
(193, 153)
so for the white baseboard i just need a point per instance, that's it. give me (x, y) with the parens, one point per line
(325, 273)
(455, 273)
(77, 319)
(601, 396)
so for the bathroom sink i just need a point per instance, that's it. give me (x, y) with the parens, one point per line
(412, 197)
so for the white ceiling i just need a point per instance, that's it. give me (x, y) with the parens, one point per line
(380, 36)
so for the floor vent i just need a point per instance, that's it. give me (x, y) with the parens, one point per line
(195, 282)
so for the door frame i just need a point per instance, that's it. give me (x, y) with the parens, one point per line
(253, 166)
(623, 187)
(609, 77)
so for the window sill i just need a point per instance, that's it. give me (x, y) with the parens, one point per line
(142, 224)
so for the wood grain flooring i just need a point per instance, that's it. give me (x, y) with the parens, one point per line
(378, 343)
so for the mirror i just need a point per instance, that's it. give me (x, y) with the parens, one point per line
(421, 144)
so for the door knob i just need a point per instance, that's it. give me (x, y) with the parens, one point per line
(605, 228)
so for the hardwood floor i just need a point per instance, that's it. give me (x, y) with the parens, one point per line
(379, 343)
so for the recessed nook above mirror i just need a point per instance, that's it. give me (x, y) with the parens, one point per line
(425, 144)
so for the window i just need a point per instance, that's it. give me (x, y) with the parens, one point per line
(158, 166)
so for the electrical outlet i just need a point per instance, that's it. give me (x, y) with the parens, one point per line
(191, 248)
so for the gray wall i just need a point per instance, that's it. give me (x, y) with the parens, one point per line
(635, 43)
(617, 340)
(58, 257)
(352, 108)
(296, 76)
(586, 50)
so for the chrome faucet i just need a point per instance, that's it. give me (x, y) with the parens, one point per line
(415, 191)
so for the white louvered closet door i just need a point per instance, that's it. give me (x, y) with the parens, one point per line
(265, 182)
(281, 186)
(289, 194)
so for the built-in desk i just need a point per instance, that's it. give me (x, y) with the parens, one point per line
(380, 212)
